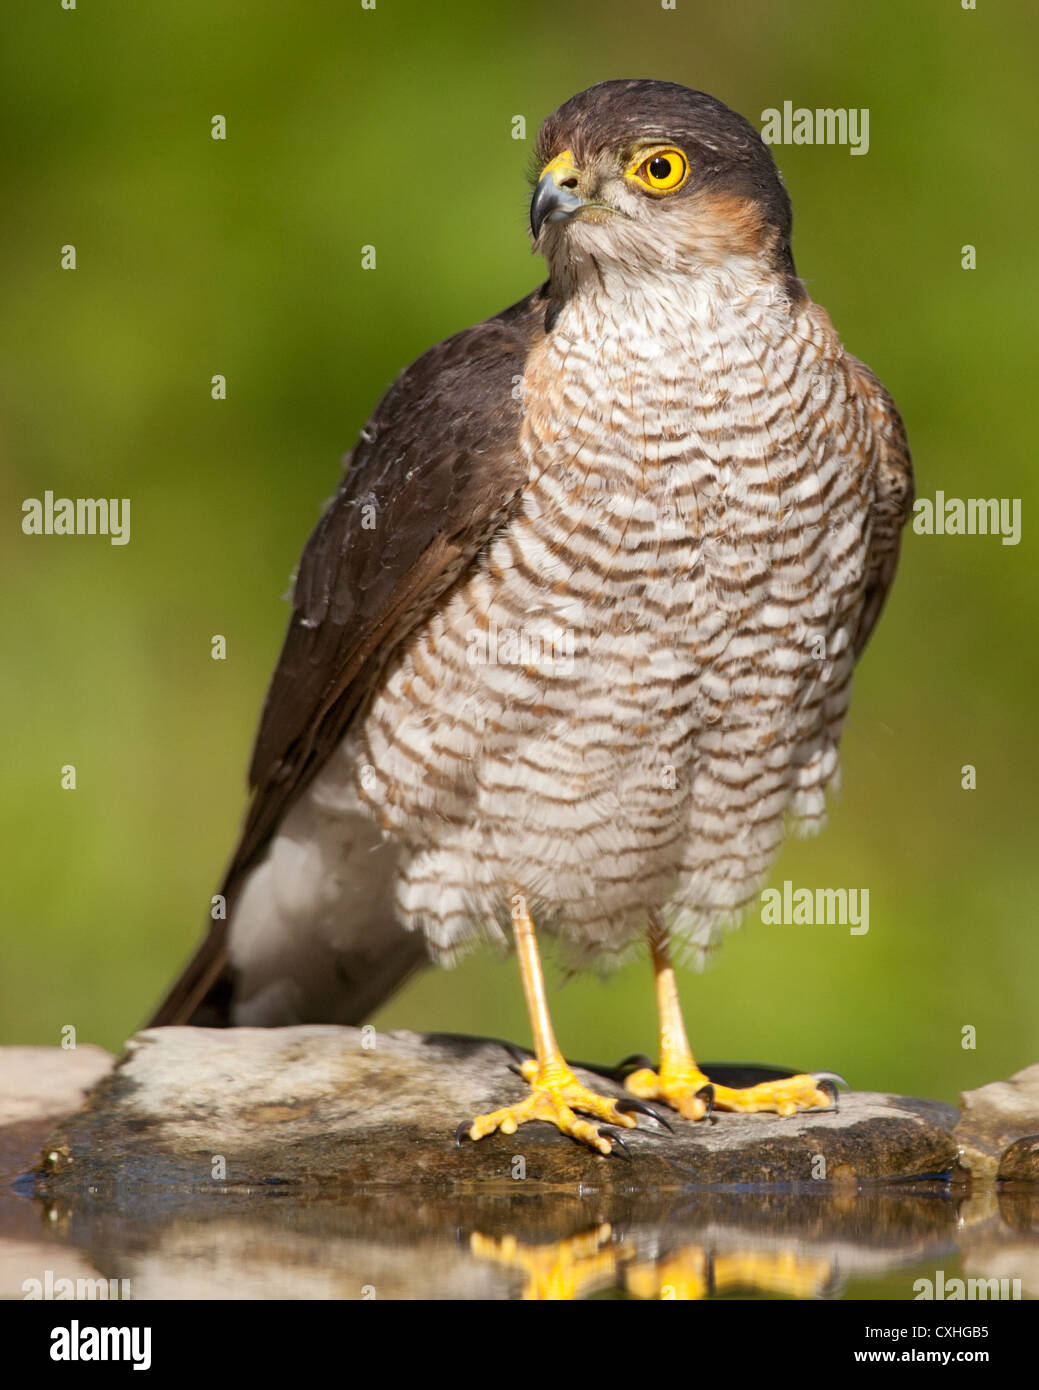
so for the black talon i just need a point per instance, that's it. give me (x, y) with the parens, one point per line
(626, 1106)
(516, 1053)
(462, 1132)
(829, 1088)
(833, 1076)
(706, 1093)
(619, 1145)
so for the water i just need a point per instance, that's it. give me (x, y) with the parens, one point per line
(810, 1241)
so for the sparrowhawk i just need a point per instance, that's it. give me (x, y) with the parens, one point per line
(573, 643)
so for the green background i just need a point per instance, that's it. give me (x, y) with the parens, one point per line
(393, 128)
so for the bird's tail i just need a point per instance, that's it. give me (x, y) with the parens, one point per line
(356, 981)
(310, 934)
(202, 994)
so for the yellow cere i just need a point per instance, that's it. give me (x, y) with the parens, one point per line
(561, 167)
(664, 170)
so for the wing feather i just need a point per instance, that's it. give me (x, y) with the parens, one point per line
(435, 473)
(892, 497)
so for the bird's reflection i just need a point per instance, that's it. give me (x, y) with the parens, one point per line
(599, 1260)
(561, 1270)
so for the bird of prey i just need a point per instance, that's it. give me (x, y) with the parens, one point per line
(573, 644)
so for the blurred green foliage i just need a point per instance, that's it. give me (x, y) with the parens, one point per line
(393, 127)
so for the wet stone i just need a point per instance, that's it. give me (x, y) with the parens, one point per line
(1020, 1163)
(996, 1121)
(350, 1110)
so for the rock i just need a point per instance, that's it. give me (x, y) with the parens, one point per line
(1020, 1163)
(37, 1086)
(39, 1081)
(256, 1163)
(195, 1108)
(994, 1119)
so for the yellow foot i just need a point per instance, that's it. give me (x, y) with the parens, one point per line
(556, 1094)
(686, 1089)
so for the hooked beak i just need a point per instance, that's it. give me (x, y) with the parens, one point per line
(556, 197)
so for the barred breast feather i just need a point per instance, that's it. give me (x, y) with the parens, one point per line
(683, 581)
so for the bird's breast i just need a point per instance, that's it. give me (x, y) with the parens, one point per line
(670, 456)
(640, 634)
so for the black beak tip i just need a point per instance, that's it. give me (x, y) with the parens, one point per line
(551, 203)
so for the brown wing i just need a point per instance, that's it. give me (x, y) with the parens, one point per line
(434, 474)
(892, 497)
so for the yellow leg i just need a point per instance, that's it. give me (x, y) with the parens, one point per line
(556, 1094)
(562, 1269)
(681, 1083)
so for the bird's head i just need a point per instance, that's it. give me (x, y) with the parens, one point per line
(653, 176)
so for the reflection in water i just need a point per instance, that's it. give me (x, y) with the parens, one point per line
(524, 1242)
(693, 1272)
(561, 1270)
(595, 1261)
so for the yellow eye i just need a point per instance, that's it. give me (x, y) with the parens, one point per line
(664, 170)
